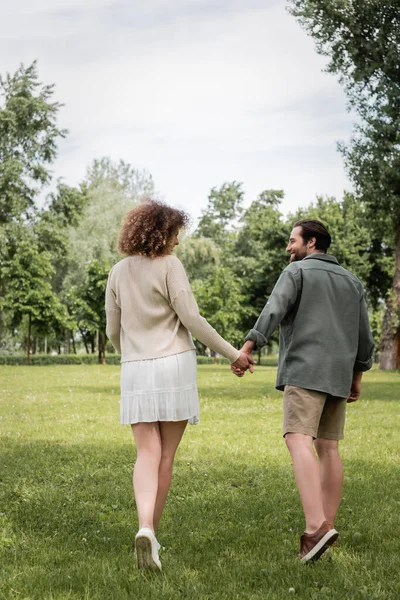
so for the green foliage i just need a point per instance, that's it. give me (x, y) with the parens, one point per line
(220, 300)
(200, 256)
(260, 249)
(54, 261)
(94, 292)
(27, 280)
(362, 40)
(28, 140)
(40, 360)
(120, 176)
(218, 220)
(28, 137)
(110, 190)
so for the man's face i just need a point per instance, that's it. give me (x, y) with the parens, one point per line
(296, 246)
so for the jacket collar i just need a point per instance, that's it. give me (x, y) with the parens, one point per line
(325, 257)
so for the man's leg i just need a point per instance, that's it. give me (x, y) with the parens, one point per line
(302, 411)
(307, 474)
(331, 476)
(330, 430)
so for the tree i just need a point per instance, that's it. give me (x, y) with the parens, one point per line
(110, 190)
(27, 281)
(28, 140)
(222, 303)
(93, 295)
(200, 256)
(260, 250)
(63, 211)
(224, 207)
(362, 40)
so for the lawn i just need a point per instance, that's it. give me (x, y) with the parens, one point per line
(231, 526)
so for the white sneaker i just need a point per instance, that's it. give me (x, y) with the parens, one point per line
(147, 550)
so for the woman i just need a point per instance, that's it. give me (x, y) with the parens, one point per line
(150, 312)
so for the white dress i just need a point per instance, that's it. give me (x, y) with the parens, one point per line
(160, 389)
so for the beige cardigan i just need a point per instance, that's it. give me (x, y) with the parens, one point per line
(150, 311)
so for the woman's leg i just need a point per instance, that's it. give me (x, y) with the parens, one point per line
(145, 475)
(171, 433)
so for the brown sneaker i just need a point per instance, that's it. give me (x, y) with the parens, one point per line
(313, 545)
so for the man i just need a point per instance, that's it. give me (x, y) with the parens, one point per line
(325, 345)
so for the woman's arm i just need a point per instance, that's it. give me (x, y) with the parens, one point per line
(185, 306)
(113, 314)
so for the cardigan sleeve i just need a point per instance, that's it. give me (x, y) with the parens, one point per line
(113, 315)
(185, 306)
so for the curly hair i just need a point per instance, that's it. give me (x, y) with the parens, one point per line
(149, 229)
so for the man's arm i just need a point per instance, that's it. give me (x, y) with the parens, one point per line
(355, 390)
(365, 341)
(364, 353)
(282, 299)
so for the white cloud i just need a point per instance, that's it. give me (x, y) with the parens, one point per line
(196, 92)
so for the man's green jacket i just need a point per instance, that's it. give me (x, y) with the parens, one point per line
(325, 334)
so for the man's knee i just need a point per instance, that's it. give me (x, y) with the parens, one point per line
(326, 447)
(296, 440)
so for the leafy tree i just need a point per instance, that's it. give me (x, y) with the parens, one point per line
(222, 303)
(93, 295)
(219, 218)
(131, 182)
(28, 138)
(28, 141)
(200, 256)
(260, 251)
(62, 212)
(110, 190)
(27, 280)
(362, 40)
(348, 226)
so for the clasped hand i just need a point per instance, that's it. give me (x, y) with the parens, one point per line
(243, 363)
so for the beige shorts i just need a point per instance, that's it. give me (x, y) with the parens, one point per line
(317, 414)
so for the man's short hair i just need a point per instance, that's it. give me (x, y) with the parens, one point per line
(311, 228)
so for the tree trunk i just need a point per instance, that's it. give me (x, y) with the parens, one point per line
(73, 342)
(28, 342)
(67, 341)
(84, 340)
(103, 347)
(390, 339)
(45, 344)
(1, 324)
(101, 344)
(396, 288)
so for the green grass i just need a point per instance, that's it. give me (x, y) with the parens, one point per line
(232, 521)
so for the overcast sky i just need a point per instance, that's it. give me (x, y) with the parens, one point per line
(196, 92)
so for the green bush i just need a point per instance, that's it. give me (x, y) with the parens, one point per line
(111, 359)
(58, 359)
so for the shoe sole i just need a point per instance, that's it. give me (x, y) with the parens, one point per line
(144, 558)
(323, 545)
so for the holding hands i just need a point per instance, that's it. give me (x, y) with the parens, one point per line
(245, 361)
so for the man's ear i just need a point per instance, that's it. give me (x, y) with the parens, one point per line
(311, 242)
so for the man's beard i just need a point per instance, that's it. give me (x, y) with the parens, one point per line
(299, 255)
